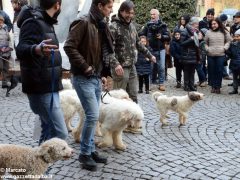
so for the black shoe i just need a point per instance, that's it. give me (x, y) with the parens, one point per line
(186, 88)
(87, 162)
(233, 92)
(178, 85)
(4, 86)
(231, 84)
(147, 91)
(192, 88)
(140, 91)
(98, 158)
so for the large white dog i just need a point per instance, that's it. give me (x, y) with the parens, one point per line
(179, 104)
(115, 116)
(71, 105)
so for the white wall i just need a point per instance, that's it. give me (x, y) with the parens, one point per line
(7, 7)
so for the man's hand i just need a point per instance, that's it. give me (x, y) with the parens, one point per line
(159, 36)
(89, 71)
(153, 59)
(119, 70)
(45, 47)
(104, 83)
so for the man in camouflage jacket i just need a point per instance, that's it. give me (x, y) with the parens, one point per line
(126, 46)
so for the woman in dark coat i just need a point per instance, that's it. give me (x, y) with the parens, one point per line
(190, 52)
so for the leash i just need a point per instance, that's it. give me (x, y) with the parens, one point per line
(53, 78)
(174, 79)
(102, 96)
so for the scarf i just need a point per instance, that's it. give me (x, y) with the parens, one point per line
(107, 38)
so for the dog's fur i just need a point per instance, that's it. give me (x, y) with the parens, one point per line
(34, 161)
(115, 116)
(179, 104)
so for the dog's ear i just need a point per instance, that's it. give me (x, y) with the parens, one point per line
(193, 96)
(174, 102)
(126, 116)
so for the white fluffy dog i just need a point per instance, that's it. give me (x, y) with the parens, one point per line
(33, 161)
(179, 104)
(115, 116)
(71, 105)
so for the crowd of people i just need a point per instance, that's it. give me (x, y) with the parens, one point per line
(97, 48)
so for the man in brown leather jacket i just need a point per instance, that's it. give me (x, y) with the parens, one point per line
(88, 43)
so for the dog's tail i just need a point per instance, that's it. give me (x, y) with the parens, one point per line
(155, 95)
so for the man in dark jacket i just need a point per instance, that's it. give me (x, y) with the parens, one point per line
(88, 46)
(157, 34)
(41, 77)
(209, 16)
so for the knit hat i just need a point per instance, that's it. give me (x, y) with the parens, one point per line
(237, 14)
(204, 31)
(223, 17)
(210, 11)
(177, 31)
(237, 32)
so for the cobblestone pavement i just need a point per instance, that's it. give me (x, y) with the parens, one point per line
(206, 148)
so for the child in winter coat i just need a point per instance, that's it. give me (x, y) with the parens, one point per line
(175, 50)
(143, 67)
(234, 54)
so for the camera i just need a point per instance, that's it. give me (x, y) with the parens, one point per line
(154, 27)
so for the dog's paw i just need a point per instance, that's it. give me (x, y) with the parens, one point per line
(102, 145)
(164, 124)
(76, 136)
(121, 147)
(167, 116)
(180, 125)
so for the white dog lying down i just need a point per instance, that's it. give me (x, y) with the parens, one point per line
(34, 161)
(179, 104)
(115, 116)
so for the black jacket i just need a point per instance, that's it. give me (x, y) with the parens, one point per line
(190, 52)
(175, 49)
(151, 30)
(36, 71)
(204, 23)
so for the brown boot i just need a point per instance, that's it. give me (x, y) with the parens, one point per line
(162, 87)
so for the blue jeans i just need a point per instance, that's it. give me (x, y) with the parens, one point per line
(200, 72)
(161, 66)
(89, 93)
(52, 123)
(215, 70)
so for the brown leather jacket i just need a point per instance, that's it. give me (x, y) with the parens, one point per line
(83, 45)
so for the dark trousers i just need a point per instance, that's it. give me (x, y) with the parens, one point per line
(143, 78)
(179, 70)
(189, 70)
(215, 70)
(236, 74)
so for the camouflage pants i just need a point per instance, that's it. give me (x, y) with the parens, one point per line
(128, 81)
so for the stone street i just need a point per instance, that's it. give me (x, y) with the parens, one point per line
(208, 147)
